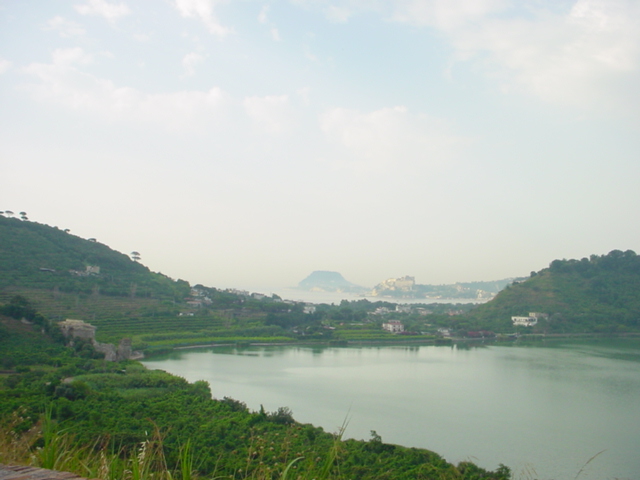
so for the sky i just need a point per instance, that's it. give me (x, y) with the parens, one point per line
(247, 143)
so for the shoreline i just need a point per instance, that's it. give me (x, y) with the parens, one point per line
(394, 343)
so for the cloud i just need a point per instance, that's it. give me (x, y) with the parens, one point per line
(262, 16)
(573, 56)
(63, 83)
(388, 139)
(445, 14)
(338, 14)
(65, 28)
(273, 113)
(204, 10)
(340, 11)
(141, 37)
(584, 53)
(189, 63)
(109, 11)
(69, 56)
(5, 65)
(264, 20)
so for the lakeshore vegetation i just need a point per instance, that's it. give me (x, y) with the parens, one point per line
(65, 407)
(61, 407)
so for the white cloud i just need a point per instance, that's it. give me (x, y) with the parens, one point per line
(204, 10)
(189, 63)
(446, 14)
(576, 56)
(272, 112)
(264, 20)
(69, 56)
(141, 37)
(340, 11)
(63, 83)
(338, 14)
(110, 11)
(388, 139)
(65, 28)
(4, 65)
(262, 17)
(304, 94)
(275, 34)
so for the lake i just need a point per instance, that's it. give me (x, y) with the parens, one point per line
(543, 410)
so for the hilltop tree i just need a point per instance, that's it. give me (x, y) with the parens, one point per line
(135, 255)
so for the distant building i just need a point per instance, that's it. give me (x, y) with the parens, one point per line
(524, 321)
(404, 308)
(309, 309)
(402, 284)
(393, 326)
(381, 311)
(77, 329)
(89, 270)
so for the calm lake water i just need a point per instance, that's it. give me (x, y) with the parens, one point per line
(544, 411)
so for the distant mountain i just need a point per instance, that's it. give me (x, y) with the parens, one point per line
(323, 281)
(595, 294)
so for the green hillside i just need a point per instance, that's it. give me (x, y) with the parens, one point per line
(38, 256)
(597, 294)
(48, 267)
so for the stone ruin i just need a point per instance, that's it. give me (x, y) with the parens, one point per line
(79, 329)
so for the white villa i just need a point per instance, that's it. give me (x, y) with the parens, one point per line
(393, 326)
(524, 321)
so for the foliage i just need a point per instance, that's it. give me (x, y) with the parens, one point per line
(39, 256)
(120, 420)
(597, 294)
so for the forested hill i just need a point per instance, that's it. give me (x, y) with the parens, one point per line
(596, 294)
(33, 255)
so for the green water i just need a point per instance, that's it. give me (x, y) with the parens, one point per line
(543, 410)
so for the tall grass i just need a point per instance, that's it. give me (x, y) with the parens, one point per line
(50, 445)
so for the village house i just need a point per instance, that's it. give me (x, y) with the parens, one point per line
(393, 326)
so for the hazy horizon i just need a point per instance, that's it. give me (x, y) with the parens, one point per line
(250, 143)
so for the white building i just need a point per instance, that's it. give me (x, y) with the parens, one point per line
(524, 321)
(393, 326)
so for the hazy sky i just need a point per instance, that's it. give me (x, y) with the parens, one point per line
(247, 143)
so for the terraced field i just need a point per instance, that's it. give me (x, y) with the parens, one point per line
(119, 317)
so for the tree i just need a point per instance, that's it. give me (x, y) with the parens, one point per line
(135, 255)
(8, 213)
